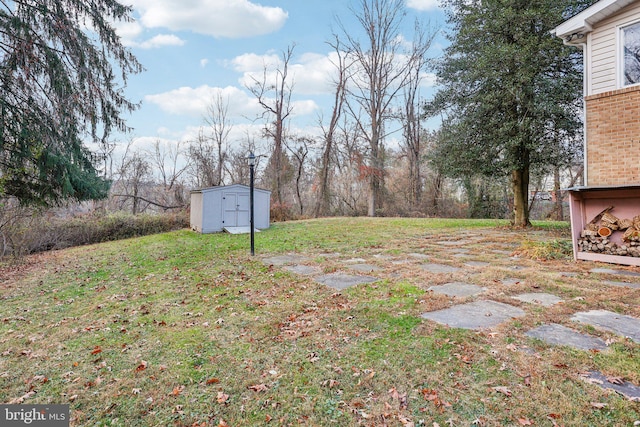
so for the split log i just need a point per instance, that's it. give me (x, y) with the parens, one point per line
(624, 224)
(604, 231)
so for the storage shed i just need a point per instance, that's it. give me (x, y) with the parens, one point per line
(215, 208)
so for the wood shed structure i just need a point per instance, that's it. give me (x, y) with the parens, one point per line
(605, 212)
(215, 208)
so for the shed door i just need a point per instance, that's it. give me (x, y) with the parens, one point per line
(236, 210)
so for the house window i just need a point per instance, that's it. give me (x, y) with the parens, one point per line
(631, 54)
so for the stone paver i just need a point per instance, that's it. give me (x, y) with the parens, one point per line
(457, 289)
(475, 315)
(622, 284)
(627, 389)
(439, 268)
(555, 334)
(479, 264)
(304, 270)
(567, 274)
(355, 261)
(510, 281)
(285, 259)
(620, 324)
(615, 272)
(454, 242)
(461, 255)
(418, 255)
(541, 298)
(342, 281)
(364, 268)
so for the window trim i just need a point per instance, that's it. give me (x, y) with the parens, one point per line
(620, 54)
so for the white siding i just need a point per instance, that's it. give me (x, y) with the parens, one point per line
(604, 50)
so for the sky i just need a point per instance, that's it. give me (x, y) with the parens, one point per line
(194, 49)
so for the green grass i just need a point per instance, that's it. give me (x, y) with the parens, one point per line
(185, 329)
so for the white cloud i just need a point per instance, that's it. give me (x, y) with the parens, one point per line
(204, 62)
(311, 74)
(128, 31)
(422, 5)
(161, 40)
(194, 101)
(429, 80)
(218, 18)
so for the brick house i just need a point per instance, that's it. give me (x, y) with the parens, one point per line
(609, 34)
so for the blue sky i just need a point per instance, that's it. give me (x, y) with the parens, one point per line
(194, 49)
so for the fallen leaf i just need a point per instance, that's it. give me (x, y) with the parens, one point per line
(259, 387)
(267, 418)
(97, 349)
(616, 380)
(394, 394)
(525, 422)
(223, 423)
(142, 366)
(136, 391)
(212, 381)
(598, 405)
(222, 397)
(177, 390)
(503, 390)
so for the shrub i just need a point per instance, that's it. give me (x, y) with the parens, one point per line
(40, 231)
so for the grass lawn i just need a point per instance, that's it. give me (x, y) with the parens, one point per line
(182, 329)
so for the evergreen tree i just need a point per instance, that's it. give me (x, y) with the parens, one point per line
(509, 91)
(58, 90)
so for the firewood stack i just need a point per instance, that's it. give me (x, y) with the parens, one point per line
(596, 235)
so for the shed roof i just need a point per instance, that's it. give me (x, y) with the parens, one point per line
(573, 30)
(228, 187)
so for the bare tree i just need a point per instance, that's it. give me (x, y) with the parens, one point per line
(342, 65)
(381, 73)
(171, 163)
(299, 153)
(411, 115)
(133, 172)
(218, 120)
(275, 99)
(208, 153)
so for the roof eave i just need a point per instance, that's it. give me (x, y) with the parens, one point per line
(573, 30)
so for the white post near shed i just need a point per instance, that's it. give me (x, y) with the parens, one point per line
(215, 208)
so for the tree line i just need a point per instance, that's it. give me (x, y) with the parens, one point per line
(508, 97)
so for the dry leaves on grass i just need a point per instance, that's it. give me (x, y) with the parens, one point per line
(259, 387)
(222, 397)
(21, 399)
(142, 366)
(503, 390)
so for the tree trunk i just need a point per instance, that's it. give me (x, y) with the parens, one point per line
(558, 211)
(322, 204)
(520, 187)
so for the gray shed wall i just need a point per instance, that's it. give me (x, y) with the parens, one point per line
(214, 208)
